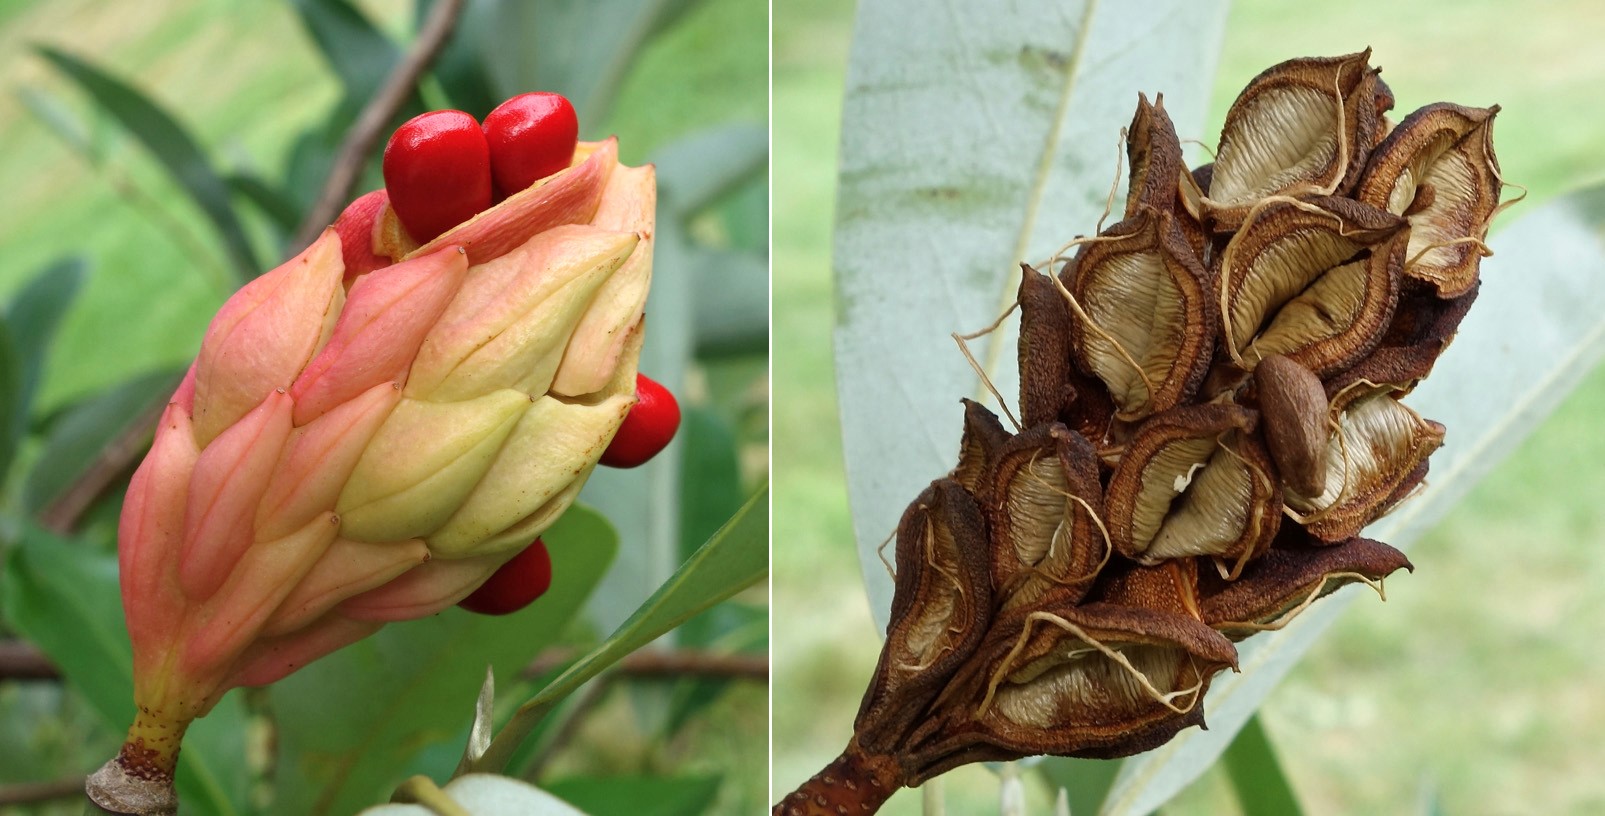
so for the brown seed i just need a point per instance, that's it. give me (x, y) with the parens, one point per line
(1293, 413)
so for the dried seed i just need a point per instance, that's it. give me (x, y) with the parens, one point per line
(1293, 411)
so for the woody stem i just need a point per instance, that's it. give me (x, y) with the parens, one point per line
(854, 782)
(139, 781)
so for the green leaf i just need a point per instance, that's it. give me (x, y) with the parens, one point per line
(1491, 388)
(702, 168)
(13, 410)
(78, 440)
(360, 54)
(459, 68)
(484, 713)
(172, 146)
(732, 315)
(350, 722)
(972, 141)
(1256, 773)
(711, 473)
(582, 50)
(33, 316)
(711, 476)
(63, 596)
(53, 113)
(638, 795)
(733, 559)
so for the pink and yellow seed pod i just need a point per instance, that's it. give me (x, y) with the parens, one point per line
(345, 453)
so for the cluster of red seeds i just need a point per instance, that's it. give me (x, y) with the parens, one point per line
(442, 168)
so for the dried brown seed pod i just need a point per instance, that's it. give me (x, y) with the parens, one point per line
(1282, 583)
(1147, 323)
(1043, 350)
(940, 609)
(1194, 482)
(1293, 411)
(1045, 539)
(1438, 169)
(1155, 155)
(983, 436)
(1299, 128)
(1089, 680)
(1376, 456)
(1339, 318)
(1286, 246)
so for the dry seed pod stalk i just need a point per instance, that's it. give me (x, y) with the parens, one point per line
(1211, 390)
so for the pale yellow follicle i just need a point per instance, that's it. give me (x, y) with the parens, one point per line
(489, 339)
(422, 463)
(554, 444)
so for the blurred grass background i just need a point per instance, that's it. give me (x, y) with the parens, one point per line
(246, 79)
(1480, 678)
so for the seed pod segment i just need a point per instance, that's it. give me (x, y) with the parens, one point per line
(1155, 155)
(1043, 488)
(1194, 482)
(1299, 128)
(1274, 589)
(940, 610)
(1044, 347)
(1147, 324)
(1438, 169)
(1377, 456)
(1285, 246)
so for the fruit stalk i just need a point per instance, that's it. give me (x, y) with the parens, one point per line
(855, 782)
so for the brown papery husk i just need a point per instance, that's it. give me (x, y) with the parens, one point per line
(1169, 465)
(1043, 348)
(1285, 245)
(1447, 149)
(1045, 540)
(983, 437)
(1279, 585)
(1335, 96)
(1377, 457)
(1148, 298)
(1341, 317)
(941, 605)
(1155, 156)
(1091, 706)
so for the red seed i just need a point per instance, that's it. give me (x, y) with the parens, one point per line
(355, 227)
(437, 171)
(647, 429)
(515, 585)
(531, 136)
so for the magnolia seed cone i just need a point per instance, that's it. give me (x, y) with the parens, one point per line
(1210, 391)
